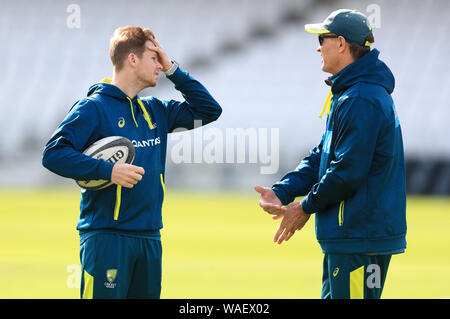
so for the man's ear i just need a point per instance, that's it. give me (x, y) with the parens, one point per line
(131, 59)
(342, 44)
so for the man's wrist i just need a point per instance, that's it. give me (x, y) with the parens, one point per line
(298, 208)
(306, 207)
(172, 69)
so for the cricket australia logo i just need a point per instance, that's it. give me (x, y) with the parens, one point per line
(111, 275)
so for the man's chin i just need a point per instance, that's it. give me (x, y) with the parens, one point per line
(325, 69)
(151, 84)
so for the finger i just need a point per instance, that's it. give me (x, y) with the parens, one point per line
(126, 184)
(279, 209)
(130, 180)
(155, 42)
(259, 189)
(281, 237)
(152, 43)
(267, 205)
(276, 217)
(278, 233)
(270, 210)
(138, 170)
(139, 173)
(289, 235)
(284, 237)
(135, 177)
(273, 209)
(154, 49)
(286, 229)
(289, 232)
(158, 46)
(153, 46)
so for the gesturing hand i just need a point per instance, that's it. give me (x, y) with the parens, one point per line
(269, 201)
(294, 218)
(126, 175)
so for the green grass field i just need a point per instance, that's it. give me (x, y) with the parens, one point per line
(214, 246)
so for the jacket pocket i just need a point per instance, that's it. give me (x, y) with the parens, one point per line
(341, 214)
(118, 200)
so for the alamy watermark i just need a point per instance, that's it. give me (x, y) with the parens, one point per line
(73, 20)
(374, 279)
(230, 145)
(374, 15)
(73, 280)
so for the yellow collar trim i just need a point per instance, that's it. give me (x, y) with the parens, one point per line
(146, 116)
(327, 104)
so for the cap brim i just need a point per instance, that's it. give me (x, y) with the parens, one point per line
(316, 28)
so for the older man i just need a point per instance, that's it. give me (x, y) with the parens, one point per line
(354, 180)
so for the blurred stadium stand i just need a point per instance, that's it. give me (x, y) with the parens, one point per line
(253, 55)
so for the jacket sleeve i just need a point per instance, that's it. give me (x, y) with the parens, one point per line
(356, 130)
(299, 181)
(63, 152)
(198, 106)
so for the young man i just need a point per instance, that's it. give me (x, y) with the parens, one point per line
(354, 180)
(119, 226)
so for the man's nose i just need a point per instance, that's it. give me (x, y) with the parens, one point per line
(318, 49)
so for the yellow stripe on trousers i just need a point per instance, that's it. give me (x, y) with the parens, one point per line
(357, 283)
(88, 292)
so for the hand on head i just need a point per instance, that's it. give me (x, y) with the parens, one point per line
(163, 58)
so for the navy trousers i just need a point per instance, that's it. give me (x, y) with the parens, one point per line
(115, 265)
(354, 276)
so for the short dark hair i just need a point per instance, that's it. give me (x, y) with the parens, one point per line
(358, 51)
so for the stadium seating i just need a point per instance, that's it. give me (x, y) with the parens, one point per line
(253, 55)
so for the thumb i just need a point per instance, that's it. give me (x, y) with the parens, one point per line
(259, 189)
(275, 217)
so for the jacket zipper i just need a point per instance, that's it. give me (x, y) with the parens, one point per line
(119, 188)
(341, 213)
(162, 185)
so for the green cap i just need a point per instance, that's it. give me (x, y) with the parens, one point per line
(352, 25)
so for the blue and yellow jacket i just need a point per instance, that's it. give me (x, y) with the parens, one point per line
(108, 111)
(354, 180)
